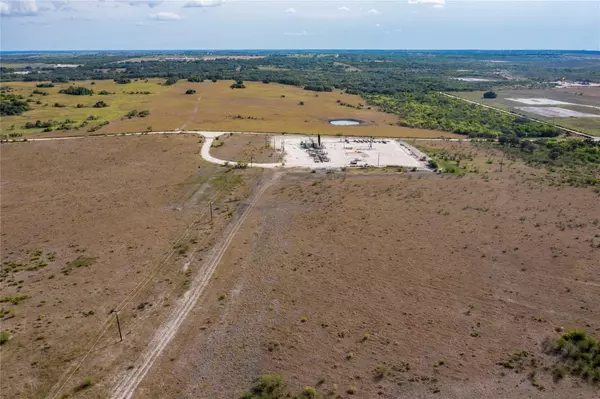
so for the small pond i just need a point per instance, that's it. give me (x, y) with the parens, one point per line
(345, 122)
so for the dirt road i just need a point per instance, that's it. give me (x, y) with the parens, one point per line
(128, 382)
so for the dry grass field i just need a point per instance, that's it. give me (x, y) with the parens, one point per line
(215, 106)
(83, 223)
(246, 148)
(393, 285)
(581, 97)
(397, 286)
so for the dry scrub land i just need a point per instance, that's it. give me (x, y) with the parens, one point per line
(245, 147)
(215, 106)
(83, 223)
(397, 286)
(410, 285)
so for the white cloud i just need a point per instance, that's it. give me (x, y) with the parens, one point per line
(291, 10)
(344, 8)
(204, 3)
(20, 8)
(135, 3)
(4, 9)
(377, 25)
(139, 23)
(373, 11)
(438, 2)
(62, 5)
(164, 16)
(438, 6)
(303, 33)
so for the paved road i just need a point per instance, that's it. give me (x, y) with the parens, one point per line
(521, 116)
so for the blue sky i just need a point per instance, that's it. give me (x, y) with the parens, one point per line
(268, 24)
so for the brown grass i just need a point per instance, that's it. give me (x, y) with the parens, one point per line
(83, 223)
(434, 279)
(246, 148)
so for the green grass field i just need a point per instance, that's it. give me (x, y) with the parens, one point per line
(119, 103)
(271, 108)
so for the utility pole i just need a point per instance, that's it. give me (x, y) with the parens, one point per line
(377, 159)
(119, 326)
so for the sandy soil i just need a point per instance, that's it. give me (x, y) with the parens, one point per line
(434, 278)
(243, 147)
(84, 222)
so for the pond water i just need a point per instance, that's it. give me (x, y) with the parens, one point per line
(345, 122)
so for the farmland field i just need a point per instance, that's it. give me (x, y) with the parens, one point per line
(215, 106)
(580, 99)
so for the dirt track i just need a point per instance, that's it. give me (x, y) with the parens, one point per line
(125, 388)
(331, 278)
(105, 213)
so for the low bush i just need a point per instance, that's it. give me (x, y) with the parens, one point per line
(579, 354)
(4, 337)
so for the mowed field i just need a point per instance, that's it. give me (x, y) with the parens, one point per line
(582, 99)
(397, 286)
(215, 106)
(95, 225)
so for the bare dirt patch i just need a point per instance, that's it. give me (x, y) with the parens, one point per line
(84, 222)
(555, 112)
(245, 147)
(396, 286)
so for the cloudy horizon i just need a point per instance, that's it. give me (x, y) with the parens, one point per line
(301, 24)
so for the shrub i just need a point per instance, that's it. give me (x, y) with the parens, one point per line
(122, 80)
(490, 94)
(14, 299)
(11, 104)
(380, 372)
(4, 337)
(301, 103)
(190, 91)
(100, 104)
(309, 393)
(86, 383)
(44, 85)
(579, 352)
(77, 91)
